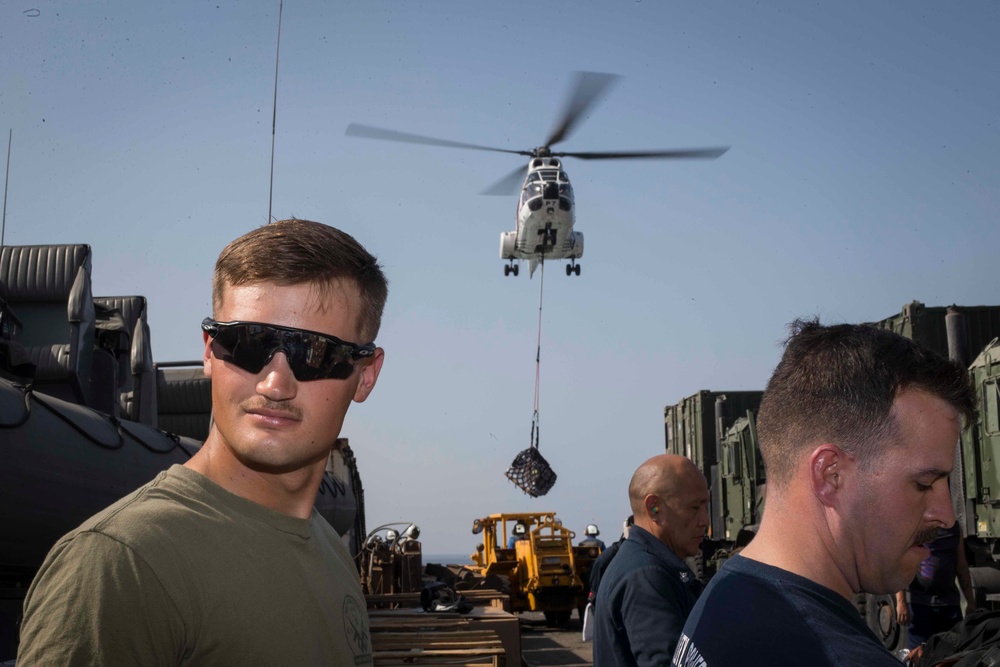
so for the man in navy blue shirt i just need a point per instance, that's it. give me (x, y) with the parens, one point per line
(647, 591)
(857, 428)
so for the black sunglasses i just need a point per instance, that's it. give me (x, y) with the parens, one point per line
(311, 355)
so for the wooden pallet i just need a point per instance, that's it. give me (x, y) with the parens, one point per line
(487, 636)
(438, 647)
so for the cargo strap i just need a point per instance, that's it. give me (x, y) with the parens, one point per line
(530, 471)
(538, 357)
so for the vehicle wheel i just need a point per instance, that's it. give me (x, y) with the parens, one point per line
(569, 270)
(880, 614)
(506, 269)
(514, 269)
(576, 269)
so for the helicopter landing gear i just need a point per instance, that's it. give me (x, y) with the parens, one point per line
(510, 268)
(572, 268)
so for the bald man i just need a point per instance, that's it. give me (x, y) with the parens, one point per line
(647, 591)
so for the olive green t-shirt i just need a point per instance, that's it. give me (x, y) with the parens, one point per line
(182, 572)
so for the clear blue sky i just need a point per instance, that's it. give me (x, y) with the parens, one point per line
(863, 175)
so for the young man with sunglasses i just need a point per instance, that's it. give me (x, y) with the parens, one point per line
(224, 561)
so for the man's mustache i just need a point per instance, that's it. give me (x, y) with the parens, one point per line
(926, 535)
(262, 403)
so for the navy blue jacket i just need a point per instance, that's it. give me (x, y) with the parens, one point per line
(644, 598)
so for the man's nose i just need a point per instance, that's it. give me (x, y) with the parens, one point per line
(277, 382)
(703, 517)
(940, 509)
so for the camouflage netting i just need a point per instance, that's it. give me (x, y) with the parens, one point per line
(531, 473)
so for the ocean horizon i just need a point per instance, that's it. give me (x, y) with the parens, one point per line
(447, 559)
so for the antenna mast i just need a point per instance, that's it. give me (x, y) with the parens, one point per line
(274, 113)
(6, 180)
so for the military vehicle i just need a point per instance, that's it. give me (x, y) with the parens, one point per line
(542, 571)
(698, 427)
(86, 416)
(980, 475)
(740, 480)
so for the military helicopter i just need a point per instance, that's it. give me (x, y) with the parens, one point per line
(546, 209)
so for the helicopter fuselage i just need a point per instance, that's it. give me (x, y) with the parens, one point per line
(545, 217)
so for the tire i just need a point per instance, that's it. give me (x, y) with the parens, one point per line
(880, 614)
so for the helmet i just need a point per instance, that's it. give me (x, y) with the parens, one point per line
(391, 535)
(519, 528)
(592, 530)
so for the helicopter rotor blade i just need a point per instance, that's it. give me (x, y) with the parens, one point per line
(705, 153)
(507, 185)
(587, 88)
(369, 132)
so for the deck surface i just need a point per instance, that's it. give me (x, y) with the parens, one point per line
(541, 645)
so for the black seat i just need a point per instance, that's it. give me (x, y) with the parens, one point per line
(49, 288)
(15, 364)
(184, 401)
(123, 330)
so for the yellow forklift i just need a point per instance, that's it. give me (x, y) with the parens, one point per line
(534, 554)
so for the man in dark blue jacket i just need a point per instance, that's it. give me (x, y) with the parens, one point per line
(647, 591)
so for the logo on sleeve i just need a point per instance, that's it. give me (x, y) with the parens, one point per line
(356, 629)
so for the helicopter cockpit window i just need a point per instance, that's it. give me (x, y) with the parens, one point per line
(531, 191)
(563, 176)
(534, 177)
(548, 174)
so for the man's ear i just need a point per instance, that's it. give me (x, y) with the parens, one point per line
(207, 357)
(369, 375)
(827, 467)
(652, 505)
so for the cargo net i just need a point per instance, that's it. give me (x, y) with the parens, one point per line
(531, 473)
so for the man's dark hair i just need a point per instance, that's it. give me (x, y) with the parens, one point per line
(838, 384)
(296, 252)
